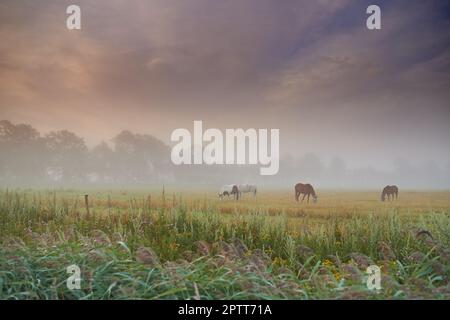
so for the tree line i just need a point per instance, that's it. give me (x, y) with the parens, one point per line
(29, 158)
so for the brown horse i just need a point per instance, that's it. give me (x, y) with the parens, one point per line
(306, 190)
(389, 191)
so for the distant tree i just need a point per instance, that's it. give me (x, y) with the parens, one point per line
(336, 172)
(288, 174)
(22, 152)
(140, 158)
(310, 167)
(68, 155)
(102, 162)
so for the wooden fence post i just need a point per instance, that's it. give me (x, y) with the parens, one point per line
(86, 202)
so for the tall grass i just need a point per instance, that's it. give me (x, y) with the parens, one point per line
(193, 248)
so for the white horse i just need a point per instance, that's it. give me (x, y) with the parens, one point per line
(228, 190)
(247, 188)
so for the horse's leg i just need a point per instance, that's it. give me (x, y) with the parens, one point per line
(304, 195)
(308, 197)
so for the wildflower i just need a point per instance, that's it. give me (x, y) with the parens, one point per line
(327, 263)
(146, 255)
(174, 246)
(438, 268)
(416, 257)
(240, 247)
(203, 248)
(386, 252)
(337, 275)
(335, 260)
(188, 255)
(101, 237)
(279, 261)
(361, 260)
(257, 262)
(304, 251)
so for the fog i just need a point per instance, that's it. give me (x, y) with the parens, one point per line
(62, 159)
(355, 108)
(309, 68)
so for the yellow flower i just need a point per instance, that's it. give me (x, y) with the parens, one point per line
(327, 263)
(279, 261)
(337, 275)
(174, 245)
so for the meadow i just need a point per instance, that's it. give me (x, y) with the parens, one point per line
(154, 244)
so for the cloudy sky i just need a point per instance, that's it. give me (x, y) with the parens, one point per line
(310, 68)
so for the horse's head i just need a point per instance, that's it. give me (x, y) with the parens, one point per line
(383, 196)
(220, 194)
(315, 199)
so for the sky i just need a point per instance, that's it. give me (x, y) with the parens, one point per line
(309, 68)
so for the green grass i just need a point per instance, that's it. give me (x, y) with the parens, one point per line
(195, 247)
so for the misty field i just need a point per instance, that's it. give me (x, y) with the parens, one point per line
(189, 245)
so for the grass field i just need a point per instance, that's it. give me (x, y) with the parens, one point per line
(189, 245)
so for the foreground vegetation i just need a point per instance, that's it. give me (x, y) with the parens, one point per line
(141, 246)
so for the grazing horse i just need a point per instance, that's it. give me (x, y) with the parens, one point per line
(306, 190)
(247, 188)
(389, 191)
(228, 190)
